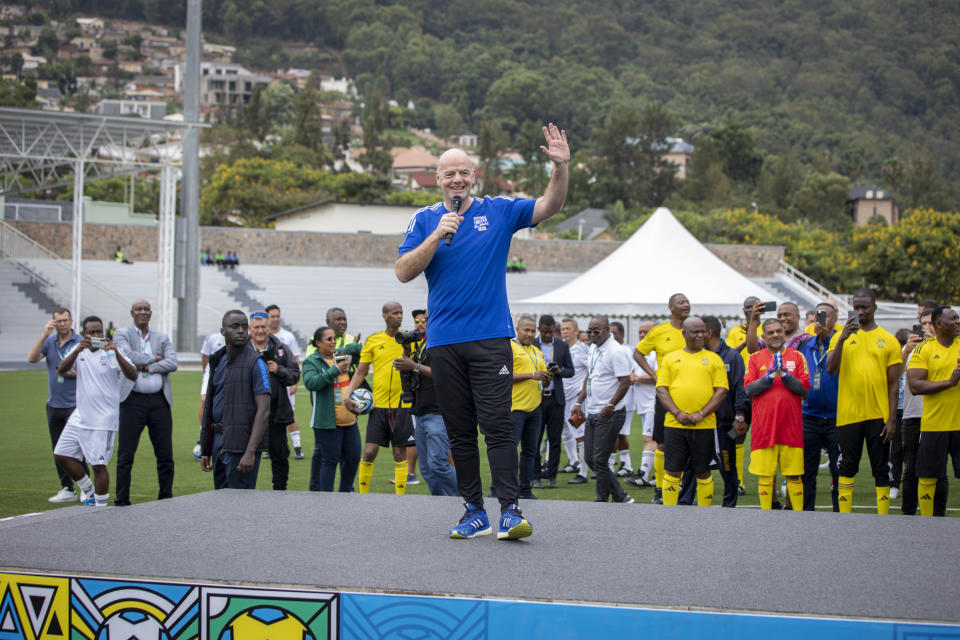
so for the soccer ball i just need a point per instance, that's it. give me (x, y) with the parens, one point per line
(363, 400)
(196, 452)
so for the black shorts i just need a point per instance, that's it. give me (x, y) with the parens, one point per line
(659, 415)
(390, 427)
(696, 446)
(852, 437)
(932, 453)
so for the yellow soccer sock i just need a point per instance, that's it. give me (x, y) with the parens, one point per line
(365, 474)
(845, 494)
(705, 492)
(671, 489)
(658, 468)
(795, 489)
(883, 500)
(765, 491)
(740, 463)
(400, 477)
(926, 488)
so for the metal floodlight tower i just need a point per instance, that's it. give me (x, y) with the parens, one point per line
(187, 280)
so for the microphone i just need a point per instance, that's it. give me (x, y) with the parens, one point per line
(456, 201)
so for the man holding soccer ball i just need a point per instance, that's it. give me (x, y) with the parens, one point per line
(389, 423)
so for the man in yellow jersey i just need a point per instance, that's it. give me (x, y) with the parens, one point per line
(866, 358)
(530, 377)
(663, 338)
(737, 340)
(691, 384)
(934, 373)
(389, 421)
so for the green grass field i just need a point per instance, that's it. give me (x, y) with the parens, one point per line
(28, 478)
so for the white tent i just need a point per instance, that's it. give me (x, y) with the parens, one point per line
(637, 280)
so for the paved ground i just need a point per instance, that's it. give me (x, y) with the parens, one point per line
(723, 559)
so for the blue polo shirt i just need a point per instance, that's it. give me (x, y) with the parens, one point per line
(260, 377)
(822, 402)
(467, 281)
(62, 392)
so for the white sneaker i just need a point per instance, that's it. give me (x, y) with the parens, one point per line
(64, 495)
(894, 493)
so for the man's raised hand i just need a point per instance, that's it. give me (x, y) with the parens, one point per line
(557, 149)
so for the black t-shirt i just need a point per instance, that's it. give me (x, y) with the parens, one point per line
(426, 396)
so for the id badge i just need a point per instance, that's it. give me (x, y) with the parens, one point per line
(816, 381)
(539, 386)
(59, 379)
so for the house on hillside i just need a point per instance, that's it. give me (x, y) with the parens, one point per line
(680, 154)
(143, 108)
(589, 224)
(866, 203)
(413, 160)
(223, 85)
(332, 216)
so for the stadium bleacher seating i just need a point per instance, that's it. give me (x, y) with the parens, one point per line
(302, 293)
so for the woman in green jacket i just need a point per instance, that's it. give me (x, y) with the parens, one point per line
(335, 430)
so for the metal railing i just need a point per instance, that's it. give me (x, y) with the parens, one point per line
(35, 212)
(20, 247)
(804, 281)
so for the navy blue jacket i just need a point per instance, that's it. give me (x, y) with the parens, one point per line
(736, 400)
(561, 356)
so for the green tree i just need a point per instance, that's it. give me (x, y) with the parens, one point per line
(19, 94)
(278, 99)
(630, 164)
(822, 199)
(493, 141)
(253, 188)
(308, 119)
(374, 122)
(110, 49)
(706, 182)
(779, 181)
(741, 160)
(47, 44)
(255, 117)
(922, 187)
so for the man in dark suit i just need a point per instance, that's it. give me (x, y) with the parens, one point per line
(557, 355)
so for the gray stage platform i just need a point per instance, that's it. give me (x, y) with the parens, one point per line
(744, 560)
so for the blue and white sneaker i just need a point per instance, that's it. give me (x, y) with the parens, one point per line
(473, 523)
(88, 501)
(513, 525)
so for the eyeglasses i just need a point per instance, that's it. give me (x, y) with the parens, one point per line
(329, 339)
(594, 332)
(258, 314)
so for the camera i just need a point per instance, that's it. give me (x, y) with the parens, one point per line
(409, 385)
(98, 343)
(770, 306)
(822, 318)
(408, 337)
(340, 358)
(918, 330)
(553, 368)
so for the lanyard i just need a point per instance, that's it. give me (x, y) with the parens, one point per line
(533, 356)
(66, 348)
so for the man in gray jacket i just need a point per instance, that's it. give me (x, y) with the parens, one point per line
(145, 402)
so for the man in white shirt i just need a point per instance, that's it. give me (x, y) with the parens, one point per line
(91, 431)
(573, 436)
(623, 441)
(644, 398)
(286, 337)
(604, 392)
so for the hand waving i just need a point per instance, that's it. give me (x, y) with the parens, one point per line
(557, 149)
